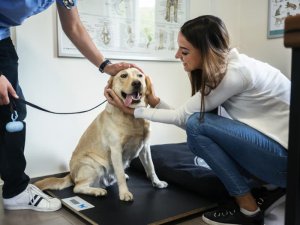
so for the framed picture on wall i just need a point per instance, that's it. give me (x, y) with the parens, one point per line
(130, 29)
(278, 11)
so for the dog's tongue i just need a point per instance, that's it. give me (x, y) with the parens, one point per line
(128, 100)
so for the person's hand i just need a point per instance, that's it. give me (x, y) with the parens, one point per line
(152, 99)
(5, 89)
(113, 99)
(113, 69)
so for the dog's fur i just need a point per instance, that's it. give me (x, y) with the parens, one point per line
(109, 144)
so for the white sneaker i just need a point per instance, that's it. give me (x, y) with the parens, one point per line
(32, 198)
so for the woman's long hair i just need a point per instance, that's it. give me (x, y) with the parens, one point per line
(209, 35)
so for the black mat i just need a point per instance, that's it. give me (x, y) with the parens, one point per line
(150, 205)
(175, 163)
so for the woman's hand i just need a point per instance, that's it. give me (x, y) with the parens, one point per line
(113, 99)
(113, 69)
(152, 99)
(5, 89)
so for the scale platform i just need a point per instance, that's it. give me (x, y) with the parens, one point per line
(150, 206)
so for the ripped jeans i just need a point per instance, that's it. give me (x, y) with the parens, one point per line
(236, 152)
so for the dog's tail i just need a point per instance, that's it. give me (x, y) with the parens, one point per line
(54, 183)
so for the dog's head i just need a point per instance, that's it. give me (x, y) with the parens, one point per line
(131, 86)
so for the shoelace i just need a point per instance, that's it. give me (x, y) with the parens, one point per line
(34, 192)
(260, 201)
(224, 213)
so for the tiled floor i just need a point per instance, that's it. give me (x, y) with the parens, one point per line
(64, 217)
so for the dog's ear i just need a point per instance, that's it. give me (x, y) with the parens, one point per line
(148, 85)
(149, 90)
(110, 82)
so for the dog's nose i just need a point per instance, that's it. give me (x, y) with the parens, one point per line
(136, 84)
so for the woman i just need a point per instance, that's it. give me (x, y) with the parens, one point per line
(255, 95)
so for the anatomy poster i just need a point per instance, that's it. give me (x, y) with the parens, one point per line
(130, 29)
(278, 11)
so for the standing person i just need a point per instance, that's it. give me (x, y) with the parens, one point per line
(17, 192)
(251, 144)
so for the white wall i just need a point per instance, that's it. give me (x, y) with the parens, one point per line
(72, 84)
(253, 36)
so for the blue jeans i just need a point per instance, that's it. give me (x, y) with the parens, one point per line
(234, 150)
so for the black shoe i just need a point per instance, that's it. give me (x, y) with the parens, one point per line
(232, 216)
(269, 199)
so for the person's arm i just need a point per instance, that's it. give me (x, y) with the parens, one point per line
(161, 113)
(231, 85)
(76, 32)
(5, 89)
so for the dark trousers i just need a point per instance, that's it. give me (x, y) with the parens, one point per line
(12, 159)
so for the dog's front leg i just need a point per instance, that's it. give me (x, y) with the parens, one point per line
(146, 160)
(117, 162)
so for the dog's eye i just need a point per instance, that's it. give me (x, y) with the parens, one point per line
(124, 75)
(140, 75)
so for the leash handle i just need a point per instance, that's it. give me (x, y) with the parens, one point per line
(23, 101)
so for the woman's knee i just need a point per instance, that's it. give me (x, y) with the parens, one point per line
(196, 124)
(195, 133)
(193, 124)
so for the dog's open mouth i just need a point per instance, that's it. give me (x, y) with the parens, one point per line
(132, 98)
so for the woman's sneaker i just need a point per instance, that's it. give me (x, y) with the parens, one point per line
(269, 199)
(32, 198)
(232, 216)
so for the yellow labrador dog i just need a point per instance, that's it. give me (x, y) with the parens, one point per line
(109, 144)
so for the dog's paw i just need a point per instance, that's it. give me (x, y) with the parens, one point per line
(126, 196)
(89, 190)
(100, 192)
(160, 184)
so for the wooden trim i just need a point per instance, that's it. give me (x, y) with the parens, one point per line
(292, 40)
(292, 31)
(196, 212)
(292, 208)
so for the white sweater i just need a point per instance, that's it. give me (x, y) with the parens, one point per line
(251, 92)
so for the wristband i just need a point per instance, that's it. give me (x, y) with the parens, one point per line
(103, 65)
